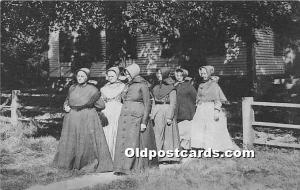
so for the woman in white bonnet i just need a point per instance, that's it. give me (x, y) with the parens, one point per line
(209, 125)
(111, 94)
(133, 131)
(82, 144)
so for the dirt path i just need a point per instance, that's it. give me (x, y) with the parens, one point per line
(89, 180)
(80, 182)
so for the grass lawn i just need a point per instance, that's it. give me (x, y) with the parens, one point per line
(27, 161)
(271, 169)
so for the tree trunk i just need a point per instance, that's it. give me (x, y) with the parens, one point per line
(251, 69)
(114, 32)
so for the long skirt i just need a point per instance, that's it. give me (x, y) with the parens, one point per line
(208, 133)
(185, 134)
(82, 143)
(130, 136)
(166, 136)
(112, 112)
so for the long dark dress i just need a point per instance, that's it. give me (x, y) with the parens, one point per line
(82, 142)
(186, 101)
(185, 110)
(134, 112)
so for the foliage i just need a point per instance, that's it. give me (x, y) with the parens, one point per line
(24, 40)
(189, 31)
(25, 29)
(206, 26)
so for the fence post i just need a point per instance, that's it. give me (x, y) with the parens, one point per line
(248, 116)
(14, 107)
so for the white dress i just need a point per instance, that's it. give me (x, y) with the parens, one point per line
(203, 131)
(111, 94)
(206, 133)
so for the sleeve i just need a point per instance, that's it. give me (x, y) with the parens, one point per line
(193, 93)
(100, 104)
(197, 96)
(103, 97)
(123, 93)
(147, 103)
(66, 102)
(173, 102)
(221, 98)
(152, 101)
(218, 105)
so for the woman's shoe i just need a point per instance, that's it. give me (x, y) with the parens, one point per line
(164, 162)
(119, 173)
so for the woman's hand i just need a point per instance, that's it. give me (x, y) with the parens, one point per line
(151, 116)
(216, 115)
(67, 108)
(169, 121)
(143, 127)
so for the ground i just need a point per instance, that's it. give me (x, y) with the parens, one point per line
(271, 169)
(27, 161)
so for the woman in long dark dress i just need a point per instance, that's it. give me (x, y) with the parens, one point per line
(133, 131)
(186, 106)
(82, 144)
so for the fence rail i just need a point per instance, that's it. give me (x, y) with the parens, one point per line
(277, 125)
(249, 122)
(273, 104)
(247, 116)
(13, 109)
(5, 95)
(288, 145)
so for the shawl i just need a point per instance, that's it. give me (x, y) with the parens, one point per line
(210, 91)
(90, 103)
(136, 79)
(164, 88)
(112, 90)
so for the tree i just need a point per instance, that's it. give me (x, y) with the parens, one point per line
(187, 27)
(23, 40)
(25, 27)
(189, 31)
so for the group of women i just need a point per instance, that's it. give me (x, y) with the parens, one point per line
(167, 115)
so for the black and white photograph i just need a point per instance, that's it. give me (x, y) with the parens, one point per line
(142, 95)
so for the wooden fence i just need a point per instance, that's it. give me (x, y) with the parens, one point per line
(14, 112)
(247, 114)
(249, 121)
(13, 108)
